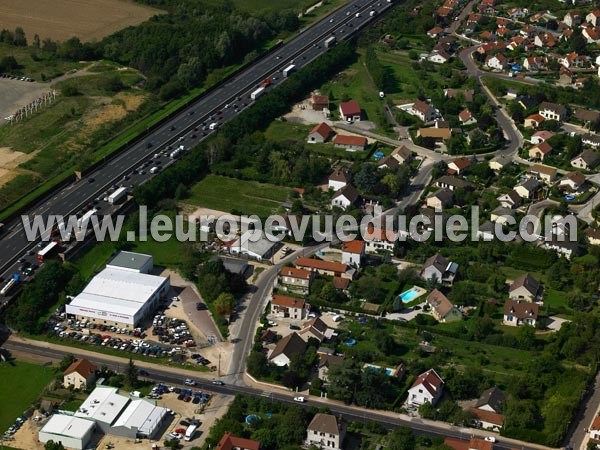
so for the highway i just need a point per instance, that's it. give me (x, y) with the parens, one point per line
(190, 126)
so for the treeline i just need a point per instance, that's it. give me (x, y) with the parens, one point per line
(16, 38)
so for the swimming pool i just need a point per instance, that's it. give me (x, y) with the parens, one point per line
(388, 371)
(411, 294)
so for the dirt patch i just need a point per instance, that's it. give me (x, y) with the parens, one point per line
(9, 162)
(111, 110)
(62, 19)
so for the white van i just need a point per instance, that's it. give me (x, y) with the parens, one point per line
(154, 170)
(213, 126)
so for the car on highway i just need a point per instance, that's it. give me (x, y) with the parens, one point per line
(218, 382)
(189, 382)
(299, 399)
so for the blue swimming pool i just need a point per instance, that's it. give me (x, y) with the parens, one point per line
(409, 295)
(388, 371)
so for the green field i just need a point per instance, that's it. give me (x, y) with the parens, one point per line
(17, 395)
(233, 195)
(42, 67)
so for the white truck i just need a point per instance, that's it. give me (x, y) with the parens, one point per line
(289, 70)
(117, 195)
(190, 431)
(178, 151)
(213, 126)
(330, 42)
(257, 93)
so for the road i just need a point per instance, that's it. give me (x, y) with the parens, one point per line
(186, 127)
(170, 376)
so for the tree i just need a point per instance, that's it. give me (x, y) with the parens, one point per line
(67, 360)
(131, 374)
(402, 438)
(343, 380)
(257, 364)
(51, 445)
(20, 39)
(224, 304)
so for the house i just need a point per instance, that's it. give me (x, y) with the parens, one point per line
(435, 133)
(423, 111)
(540, 151)
(587, 160)
(292, 307)
(572, 19)
(520, 312)
(325, 431)
(439, 268)
(572, 181)
(80, 374)
(319, 102)
(287, 347)
(502, 214)
(525, 288)
(541, 136)
(593, 18)
(594, 429)
(317, 329)
(553, 111)
(533, 121)
(527, 188)
(325, 363)
(563, 246)
(466, 117)
(442, 309)
(472, 444)
(497, 163)
(435, 32)
(466, 94)
(389, 162)
(487, 420)
(573, 59)
(428, 387)
(486, 231)
(402, 154)
(453, 183)
(587, 116)
(439, 57)
(350, 111)
(320, 133)
(353, 252)
(497, 62)
(593, 140)
(492, 399)
(327, 268)
(296, 280)
(516, 13)
(231, 442)
(546, 174)
(440, 199)
(254, 244)
(339, 178)
(341, 284)
(352, 143)
(345, 197)
(511, 199)
(535, 63)
(592, 36)
(458, 166)
(527, 101)
(377, 240)
(592, 236)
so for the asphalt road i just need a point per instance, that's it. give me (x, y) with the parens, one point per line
(180, 129)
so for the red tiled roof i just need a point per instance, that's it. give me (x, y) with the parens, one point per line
(230, 442)
(341, 283)
(288, 302)
(596, 424)
(320, 100)
(456, 444)
(350, 108)
(430, 380)
(342, 139)
(82, 366)
(353, 246)
(313, 263)
(294, 272)
(322, 129)
(480, 444)
(488, 416)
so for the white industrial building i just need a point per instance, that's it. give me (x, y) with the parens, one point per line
(119, 297)
(132, 262)
(70, 431)
(255, 244)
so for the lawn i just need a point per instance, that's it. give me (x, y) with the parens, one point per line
(233, 195)
(17, 396)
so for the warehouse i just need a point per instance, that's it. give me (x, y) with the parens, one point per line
(119, 297)
(72, 432)
(254, 244)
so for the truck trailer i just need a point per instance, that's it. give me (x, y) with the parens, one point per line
(257, 93)
(48, 251)
(117, 195)
(289, 70)
(330, 42)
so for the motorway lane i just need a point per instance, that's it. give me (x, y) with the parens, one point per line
(302, 49)
(388, 420)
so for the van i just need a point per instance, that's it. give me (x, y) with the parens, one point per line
(155, 170)
(212, 126)
(136, 394)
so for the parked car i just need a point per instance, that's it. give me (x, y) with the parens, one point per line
(299, 399)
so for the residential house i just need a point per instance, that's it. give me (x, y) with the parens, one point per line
(317, 329)
(587, 160)
(533, 121)
(402, 154)
(565, 76)
(345, 197)
(423, 111)
(319, 102)
(377, 240)
(497, 62)
(459, 166)
(527, 101)
(320, 133)
(327, 268)
(435, 133)
(80, 374)
(350, 111)
(292, 307)
(491, 47)
(546, 174)
(441, 199)
(535, 63)
(593, 140)
(389, 162)
(573, 19)
(486, 231)
(562, 245)
(541, 136)
(325, 363)
(443, 11)
(290, 345)
(594, 430)
(573, 59)
(511, 199)
(428, 387)
(295, 280)
(553, 111)
(591, 35)
(497, 163)
(340, 177)
(540, 151)
(492, 399)
(593, 18)
(466, 94)
(439, 57)
(453, 183)
(231, 442)
(439, 268)
(572, 181)
(466, 117)
(353, 252)
(587, 116)
(341, 284)
(520, 312)
(351, 143)
(502, 215)
(435, 32)
(527, 188)
(325, 431)
(592, 236)
(526, 288)
(442, 309)
(516, 13)
(544, 40)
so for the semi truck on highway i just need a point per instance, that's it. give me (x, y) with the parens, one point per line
(330, 42)
(178, 151)
(86, 217)
(10, 285)
(117, 195)
(289, 70)
(257, 93)
(48, 251)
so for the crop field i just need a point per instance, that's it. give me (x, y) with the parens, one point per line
(63, 19)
